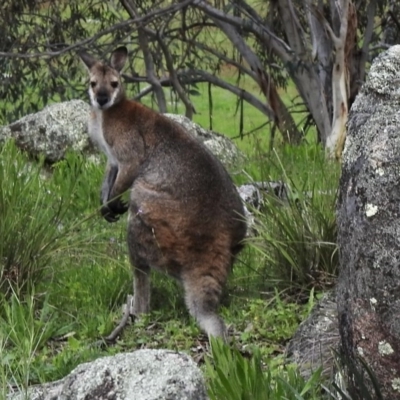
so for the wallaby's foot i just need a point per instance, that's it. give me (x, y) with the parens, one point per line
(128, 307)
(139, 305)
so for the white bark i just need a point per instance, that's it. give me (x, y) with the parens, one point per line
(335, 141)
(336, 138)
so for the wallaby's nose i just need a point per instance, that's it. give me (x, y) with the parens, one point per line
(102, 99)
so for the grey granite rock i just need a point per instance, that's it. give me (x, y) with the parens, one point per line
(140, 375)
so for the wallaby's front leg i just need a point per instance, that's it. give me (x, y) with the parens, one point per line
(108, 182)
(120, 207)
(122, 182)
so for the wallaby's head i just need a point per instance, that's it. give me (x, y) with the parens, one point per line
(105, 80)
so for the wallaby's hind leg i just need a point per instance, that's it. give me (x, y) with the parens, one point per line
(141, 274)
(202, 294)
(141, 291)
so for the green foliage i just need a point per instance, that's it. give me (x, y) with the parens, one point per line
(362, 377)
(29, 328)
(231, 376)
(33, 228)
(297, 232)
(26, 327)
(270, 321)
(89, 294)
(62, 273)
(28, 84)
(69, 178)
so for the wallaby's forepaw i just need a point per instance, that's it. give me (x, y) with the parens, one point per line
(112, 210)
(108, 215)
(118, 206)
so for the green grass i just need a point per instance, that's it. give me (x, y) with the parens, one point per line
(65, 274)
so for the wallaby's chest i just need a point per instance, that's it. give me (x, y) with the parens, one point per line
(96, 132)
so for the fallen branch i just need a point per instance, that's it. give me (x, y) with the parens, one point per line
(111, 338)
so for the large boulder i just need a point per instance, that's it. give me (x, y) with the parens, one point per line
(141, 375)
(60, 127)
(52, 131)
(317, 338)
(368, 215)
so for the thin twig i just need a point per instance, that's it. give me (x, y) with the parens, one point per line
(116, 332)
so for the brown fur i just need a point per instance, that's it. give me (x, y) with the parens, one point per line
(185, 215)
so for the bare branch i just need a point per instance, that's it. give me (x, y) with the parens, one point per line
(197, 76)
(344, 12)
(277, 45)
(283, 118)
(189, 109)
(148, 58)
(246, 52)
(251, 99)
(336, 40)
(66, 48)
(241, 67)
(184, 76)
(313, 29)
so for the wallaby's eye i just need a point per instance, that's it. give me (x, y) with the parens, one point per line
(93, 84)
(114, 84)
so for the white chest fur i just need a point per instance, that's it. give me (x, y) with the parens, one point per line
(96, 132)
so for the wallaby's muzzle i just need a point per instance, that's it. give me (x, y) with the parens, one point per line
(102, 98)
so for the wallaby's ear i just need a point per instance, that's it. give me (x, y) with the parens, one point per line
(87, 59)
(118, 58)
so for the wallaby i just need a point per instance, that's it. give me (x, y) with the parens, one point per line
(186, 217)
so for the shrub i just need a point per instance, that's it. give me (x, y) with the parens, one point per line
(35, 219)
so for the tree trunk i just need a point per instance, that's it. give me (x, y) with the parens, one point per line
(368, 291)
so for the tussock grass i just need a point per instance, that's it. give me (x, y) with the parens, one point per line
(297, 233)
(235, 377)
